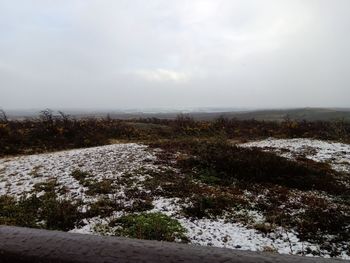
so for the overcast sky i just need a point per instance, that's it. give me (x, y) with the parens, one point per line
(174, 53)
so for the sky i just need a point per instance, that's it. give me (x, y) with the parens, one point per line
(112, 54)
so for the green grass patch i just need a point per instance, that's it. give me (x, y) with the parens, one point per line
(150, 226)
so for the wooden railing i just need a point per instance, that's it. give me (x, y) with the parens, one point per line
(24, 245)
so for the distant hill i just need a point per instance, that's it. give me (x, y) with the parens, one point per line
(309, 114)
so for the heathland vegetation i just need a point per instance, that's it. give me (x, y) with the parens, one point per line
(50, 132)
(201, 166)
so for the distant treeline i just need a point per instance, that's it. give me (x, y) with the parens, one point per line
(49, 131)
(253, 129)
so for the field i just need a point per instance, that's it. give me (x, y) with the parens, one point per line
(279, 187)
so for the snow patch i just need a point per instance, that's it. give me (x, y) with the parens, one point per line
(336, 154)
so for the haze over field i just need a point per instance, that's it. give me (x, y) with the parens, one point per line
(157, 53)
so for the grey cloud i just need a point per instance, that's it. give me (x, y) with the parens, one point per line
(157, 53)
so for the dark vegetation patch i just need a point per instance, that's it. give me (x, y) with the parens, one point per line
(324, 218)
(150, 226)
(219, 162)
(137, 193)
(46, 211)
(302, 195)
(105, 186)
(140, 205)
(205, 200)
(316, 218)
(213, 206)
(104, 207)
(169, 183)
(50, 132)
(48, 186)
(21, 213)
(100, 187)
(80, 176)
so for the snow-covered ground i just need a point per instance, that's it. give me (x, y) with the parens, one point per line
(217, 233)
(336, 154)
(18, 175)
(222, 233)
